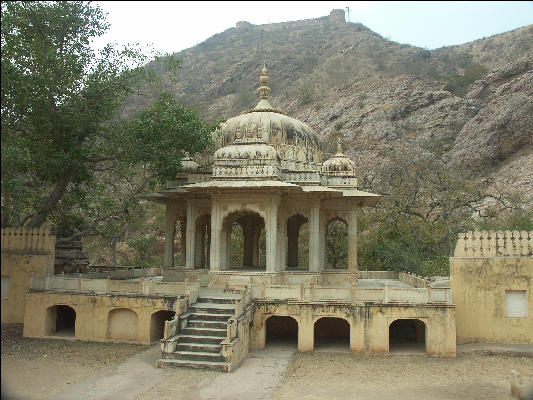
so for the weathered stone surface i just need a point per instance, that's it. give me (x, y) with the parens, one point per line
(71, 257)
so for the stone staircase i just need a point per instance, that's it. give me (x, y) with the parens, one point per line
(198, 344)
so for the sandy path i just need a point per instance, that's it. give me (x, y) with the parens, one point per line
(256, 378)
(125, 381)
(38, 379)
(34, 369)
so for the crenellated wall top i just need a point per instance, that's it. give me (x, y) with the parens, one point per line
(495, 244)
(28, 241)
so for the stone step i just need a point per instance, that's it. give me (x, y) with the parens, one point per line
(194, 323)
(204, 316)
(218, 366)
(198, 347)
(189, 330)
(212, 308)
(199, 339)
(218, 300)
(196, 356)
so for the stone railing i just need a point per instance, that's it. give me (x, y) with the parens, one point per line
(28, 241)
(142, 286)
(413, 279)
(363, 274)
(386, 294)
(254, 279)
(495, 244)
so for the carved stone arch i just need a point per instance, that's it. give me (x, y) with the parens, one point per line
(60, 320)
(408, 334)
(122, 324)
(293, 225)
(252, 222)
(202, 240)
(337, 247)
(281, 326)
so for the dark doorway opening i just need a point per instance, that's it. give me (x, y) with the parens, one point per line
(281, 330)
(65, 321)
(332, 334)
(407, 336)
(157, 324)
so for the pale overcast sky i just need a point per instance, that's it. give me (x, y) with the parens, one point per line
(174, 26)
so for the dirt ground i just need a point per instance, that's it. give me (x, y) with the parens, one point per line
(347, 376)
(39, 369)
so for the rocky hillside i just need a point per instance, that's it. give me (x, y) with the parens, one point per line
(469, 105)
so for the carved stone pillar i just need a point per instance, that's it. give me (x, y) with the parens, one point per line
(183, 233)
(208, 247)
(272, 236)
(255, 246)
(352, 239)
(315, 253)
(216, 234)
(170, 230)
(199, 243)
(190, 237)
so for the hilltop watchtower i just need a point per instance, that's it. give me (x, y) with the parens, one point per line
(337, 16)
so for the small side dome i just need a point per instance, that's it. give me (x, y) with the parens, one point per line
(247, 160)
(188, 165)
(339, 164)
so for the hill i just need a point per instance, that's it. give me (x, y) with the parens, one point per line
(470, 105)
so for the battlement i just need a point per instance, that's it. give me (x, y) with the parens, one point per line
(28, 241)
(495, 244)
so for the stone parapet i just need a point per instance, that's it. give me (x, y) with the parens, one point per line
(27, 241)
(147, 287)
(495, 244)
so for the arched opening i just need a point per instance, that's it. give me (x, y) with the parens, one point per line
(281, 330)
(337, 244)
(157, 324)
(297, 242)
(202, 241)
(243, 241)
(180, 240)
(407, 336)
(122, 324)
(332, 334)
(60, 320)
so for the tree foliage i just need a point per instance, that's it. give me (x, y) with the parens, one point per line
(425, 205)
(458, 83)
(69, 153)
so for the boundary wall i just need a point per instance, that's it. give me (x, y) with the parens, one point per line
(25, 252)
(491, 279)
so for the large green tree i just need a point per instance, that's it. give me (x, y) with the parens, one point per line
(425, 204)
(71, 154)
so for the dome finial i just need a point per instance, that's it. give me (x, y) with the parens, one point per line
(264, 90)
(339, 146)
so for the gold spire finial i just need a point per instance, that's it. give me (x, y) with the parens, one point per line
(264, 90)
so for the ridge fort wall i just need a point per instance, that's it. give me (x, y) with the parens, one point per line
(491, 280)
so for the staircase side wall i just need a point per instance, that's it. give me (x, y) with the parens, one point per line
(236, 351)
